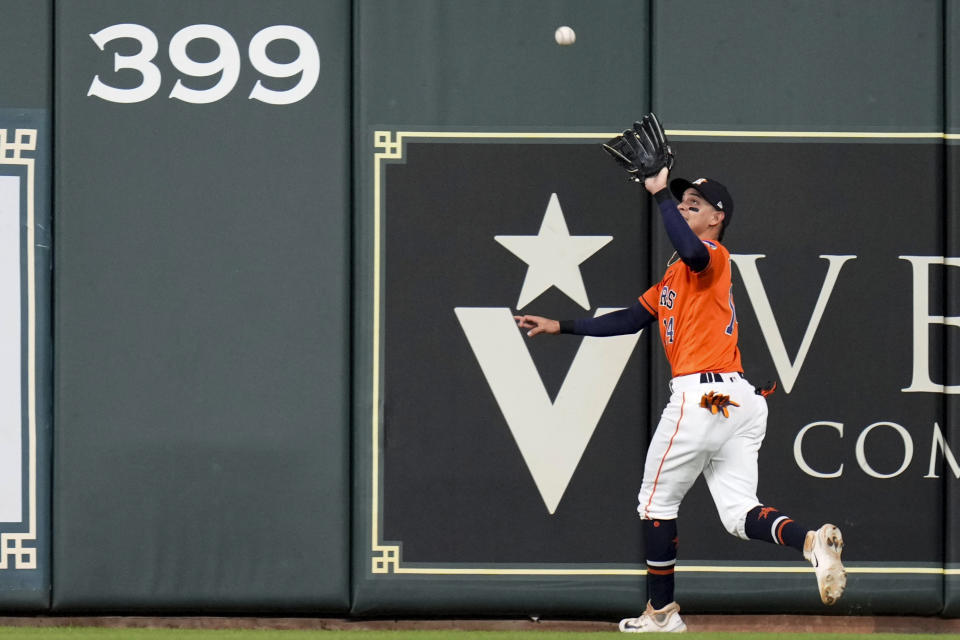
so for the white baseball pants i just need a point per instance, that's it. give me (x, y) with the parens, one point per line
(690, 440)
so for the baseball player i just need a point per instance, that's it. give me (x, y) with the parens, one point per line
(715, 420)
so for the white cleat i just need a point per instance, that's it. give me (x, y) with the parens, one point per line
(823, 548)
(655, 620)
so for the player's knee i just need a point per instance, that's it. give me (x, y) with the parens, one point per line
(735, 523)
(731, 526)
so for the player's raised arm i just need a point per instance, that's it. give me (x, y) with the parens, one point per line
(689, 247)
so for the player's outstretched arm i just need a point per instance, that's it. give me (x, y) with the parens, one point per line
(615, 323)
(537, 325)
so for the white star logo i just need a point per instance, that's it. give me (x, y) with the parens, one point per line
(553, 256)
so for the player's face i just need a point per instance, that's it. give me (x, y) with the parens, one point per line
(702, 216)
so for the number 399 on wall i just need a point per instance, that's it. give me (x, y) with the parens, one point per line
(227, 63)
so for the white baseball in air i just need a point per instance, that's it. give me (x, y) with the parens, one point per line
(565, 35)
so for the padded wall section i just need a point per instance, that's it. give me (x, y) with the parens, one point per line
(482, 64)
(799, 65)
(829, 288)
(25, 335)
(945, 460)
(202, 307)
(951, 432)
(477, 134)
(26, 63)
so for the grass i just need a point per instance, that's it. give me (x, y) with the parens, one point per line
(96, 633)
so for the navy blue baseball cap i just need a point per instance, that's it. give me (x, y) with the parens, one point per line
(714, 192)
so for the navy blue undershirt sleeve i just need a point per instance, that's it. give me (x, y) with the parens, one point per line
(615, 323)
(688, 245)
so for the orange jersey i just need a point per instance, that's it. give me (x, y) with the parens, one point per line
(697, 318)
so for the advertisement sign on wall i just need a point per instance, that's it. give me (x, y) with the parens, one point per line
(528, 448)
(24, 353)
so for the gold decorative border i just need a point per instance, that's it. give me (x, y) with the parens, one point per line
(15, 544)
(390, 145)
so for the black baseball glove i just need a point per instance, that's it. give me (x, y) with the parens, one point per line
(642, 150)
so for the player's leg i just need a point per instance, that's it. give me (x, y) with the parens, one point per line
(661, 541)
(822, 548)
(770, 525)
(731, 471)
(731, 476)
(662, 612)
(674, 460)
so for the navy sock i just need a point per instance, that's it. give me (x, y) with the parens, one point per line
(661, 545)
(769, 525)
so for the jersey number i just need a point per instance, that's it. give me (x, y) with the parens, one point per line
(668, 329)
(733, 315)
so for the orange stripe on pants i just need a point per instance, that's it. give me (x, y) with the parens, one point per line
(646, 509)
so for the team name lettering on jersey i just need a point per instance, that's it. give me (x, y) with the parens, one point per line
(698, 319)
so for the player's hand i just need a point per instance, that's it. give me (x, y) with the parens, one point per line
(657, 182)
(537, 325)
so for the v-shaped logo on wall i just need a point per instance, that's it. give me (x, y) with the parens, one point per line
(484, 430)
(551, 435)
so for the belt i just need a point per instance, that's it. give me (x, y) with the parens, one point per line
(709, 376)
(706, 377)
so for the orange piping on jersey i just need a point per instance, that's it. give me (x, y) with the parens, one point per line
(646, 509)
(647, 306)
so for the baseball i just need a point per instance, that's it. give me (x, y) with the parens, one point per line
(565, 36)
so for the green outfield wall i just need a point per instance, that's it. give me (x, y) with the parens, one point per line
(820, 151)
(202, 309)
(259, 338)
